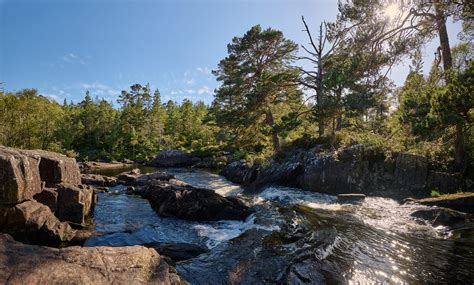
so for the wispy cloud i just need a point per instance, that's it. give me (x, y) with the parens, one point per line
(100, 90)
(73, 59)
(204, 70)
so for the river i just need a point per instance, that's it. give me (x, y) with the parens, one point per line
(294, 237)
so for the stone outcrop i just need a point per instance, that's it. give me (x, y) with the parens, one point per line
(463, 202)
(177, 251)
(33, 222)
(356, 169)
(240, 172)
(178, 199)
(29, 264)
(56, 168)
(441, 217)
(99, 180)
(38, 191)
(173, 158)
(177, 158)
(136, 178)
(19, 176)
(75, 203)
(48, 197)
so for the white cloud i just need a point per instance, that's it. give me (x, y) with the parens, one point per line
(73, 59)
(100, 90)
(204, 70)
(205, 90)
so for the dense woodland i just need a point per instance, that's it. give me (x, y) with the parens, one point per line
(274, 94)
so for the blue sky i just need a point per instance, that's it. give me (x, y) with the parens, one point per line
(64, 48)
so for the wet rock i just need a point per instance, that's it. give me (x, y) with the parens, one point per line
(441, 216)
(129, 177)
(48, 197)
(56, 168)
(174, 158)
(28, 264)
(350, 198)
(75, 203)
(33, 222)
(177, 251)
(463, 202)
(184, 201)
(240, 172)
(19, 176)
(98, 180)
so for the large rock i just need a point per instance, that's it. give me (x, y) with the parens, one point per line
(178, 199)
(56, 168)
(240, 172)
(174, 158)
(75, 203)
(136, 178)
(360, 169)
(98, 180)
(19, 176)
(48, 197)
(28, 264)
(33, 222)
(441, 216)
(177, 251)
(463, 202)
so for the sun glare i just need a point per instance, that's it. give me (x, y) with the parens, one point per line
(392, 11)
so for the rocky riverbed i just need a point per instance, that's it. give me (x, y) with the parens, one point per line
(175, 225)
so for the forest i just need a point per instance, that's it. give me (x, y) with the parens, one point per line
(333, 90)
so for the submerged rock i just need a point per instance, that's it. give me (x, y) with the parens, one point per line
(33, 222)
(177, 251)
(29, 264)
(19, 176)
(178, 199)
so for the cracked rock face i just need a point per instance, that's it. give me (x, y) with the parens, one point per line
(19, 176)
(29, 264)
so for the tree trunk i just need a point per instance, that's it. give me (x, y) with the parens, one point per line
(459, 148)
(443, 41)
(271, 122)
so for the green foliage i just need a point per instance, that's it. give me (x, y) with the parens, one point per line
(258, 90)
(435, 193)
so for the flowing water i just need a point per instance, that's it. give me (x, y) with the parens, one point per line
(295, 237)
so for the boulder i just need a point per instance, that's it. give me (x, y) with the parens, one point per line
(177, 251)
(29, 264)
(135, 177)
(48, 197)
(98, 180)
(174, 158)
(350, 198)
(56, 168)
(75, 202)
(463, 202)
(129, 177)
(33, 222)
(240, 172)
(19, 176)
(174, 198)
(441, 216)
